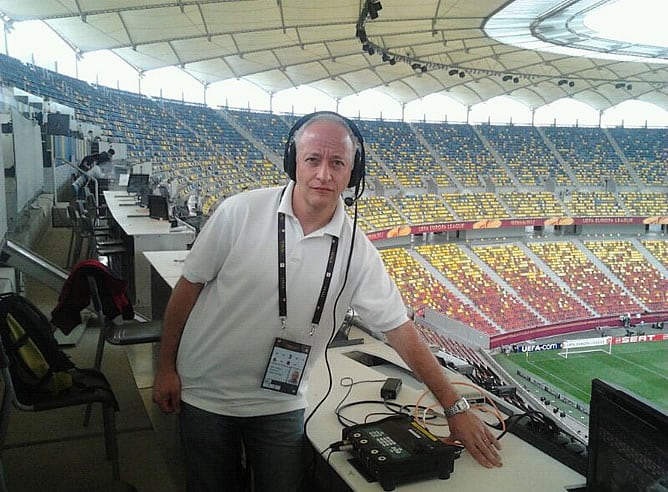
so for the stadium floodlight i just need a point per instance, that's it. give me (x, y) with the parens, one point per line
(374, 6)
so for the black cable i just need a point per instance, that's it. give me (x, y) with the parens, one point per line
(538, 419)
(334, 325)
(351, 422)
(394, 408)
(350, 387)
(334, 329)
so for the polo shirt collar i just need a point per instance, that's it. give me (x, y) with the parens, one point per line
(333, 227)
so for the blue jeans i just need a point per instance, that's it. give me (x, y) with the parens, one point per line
(274, 448)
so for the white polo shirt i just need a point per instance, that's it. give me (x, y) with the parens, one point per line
(231, 330)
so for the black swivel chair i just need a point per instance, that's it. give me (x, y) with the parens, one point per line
(90, 386)
(127, 333)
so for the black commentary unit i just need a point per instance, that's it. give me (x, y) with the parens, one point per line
(398, 449)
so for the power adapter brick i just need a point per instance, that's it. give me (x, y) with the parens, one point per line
(390, 389)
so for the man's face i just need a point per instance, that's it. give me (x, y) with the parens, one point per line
(325, 157)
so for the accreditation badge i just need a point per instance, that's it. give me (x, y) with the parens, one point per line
(285, 367)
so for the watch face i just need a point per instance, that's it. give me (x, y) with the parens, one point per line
(459, 406)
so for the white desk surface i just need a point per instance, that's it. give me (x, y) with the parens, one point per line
(118, 206)
(525, 469)
(168, 264)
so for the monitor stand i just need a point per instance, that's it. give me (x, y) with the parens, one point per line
(341, 340)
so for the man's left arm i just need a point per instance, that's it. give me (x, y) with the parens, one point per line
(465, 427)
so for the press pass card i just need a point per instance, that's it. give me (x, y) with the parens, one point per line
(286, 366)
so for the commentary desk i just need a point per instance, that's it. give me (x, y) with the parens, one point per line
(144, 234)
(525, 469)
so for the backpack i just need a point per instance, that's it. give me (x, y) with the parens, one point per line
(36, 363)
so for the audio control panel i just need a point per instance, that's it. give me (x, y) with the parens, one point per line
(398, 449)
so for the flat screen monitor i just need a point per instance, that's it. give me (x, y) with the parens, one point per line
(628, 442)
(137, 182)
(158, 207)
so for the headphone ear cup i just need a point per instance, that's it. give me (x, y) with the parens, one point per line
(355, 174)
(358, 170)
(290, 161)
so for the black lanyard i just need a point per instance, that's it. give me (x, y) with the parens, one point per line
(282, 282)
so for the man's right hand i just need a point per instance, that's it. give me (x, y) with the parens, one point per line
(167, 391)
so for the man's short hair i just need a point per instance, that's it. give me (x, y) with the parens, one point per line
(330, 117)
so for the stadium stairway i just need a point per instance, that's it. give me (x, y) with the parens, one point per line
(502, 283)
(500, 162)
(620, 153)
(257, 143)
(606, 271)
(553, 276)
(452, 287)
(430, 148)
(650, 257)
(567, 168)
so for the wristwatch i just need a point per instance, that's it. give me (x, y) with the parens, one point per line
(460, 406)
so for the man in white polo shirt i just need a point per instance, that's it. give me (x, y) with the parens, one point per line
(263, 290)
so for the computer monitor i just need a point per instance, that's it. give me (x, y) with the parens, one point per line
(137, 182)
(158, 207)
(628, 442)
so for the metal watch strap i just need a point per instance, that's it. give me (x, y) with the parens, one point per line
(460, 406)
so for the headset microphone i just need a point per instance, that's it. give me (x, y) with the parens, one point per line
(359, 191)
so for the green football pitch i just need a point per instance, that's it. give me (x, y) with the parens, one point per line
(639, 367)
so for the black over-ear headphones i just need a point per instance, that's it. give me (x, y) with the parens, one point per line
(290, 154)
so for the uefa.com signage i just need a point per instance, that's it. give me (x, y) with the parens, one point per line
(539, 347)
(407, 230)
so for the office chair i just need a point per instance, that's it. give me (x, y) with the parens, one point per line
(128, 333)
(90, 386)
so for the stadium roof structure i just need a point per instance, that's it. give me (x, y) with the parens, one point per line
(538, 51)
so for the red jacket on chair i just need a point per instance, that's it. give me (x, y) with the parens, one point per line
(75, 296)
